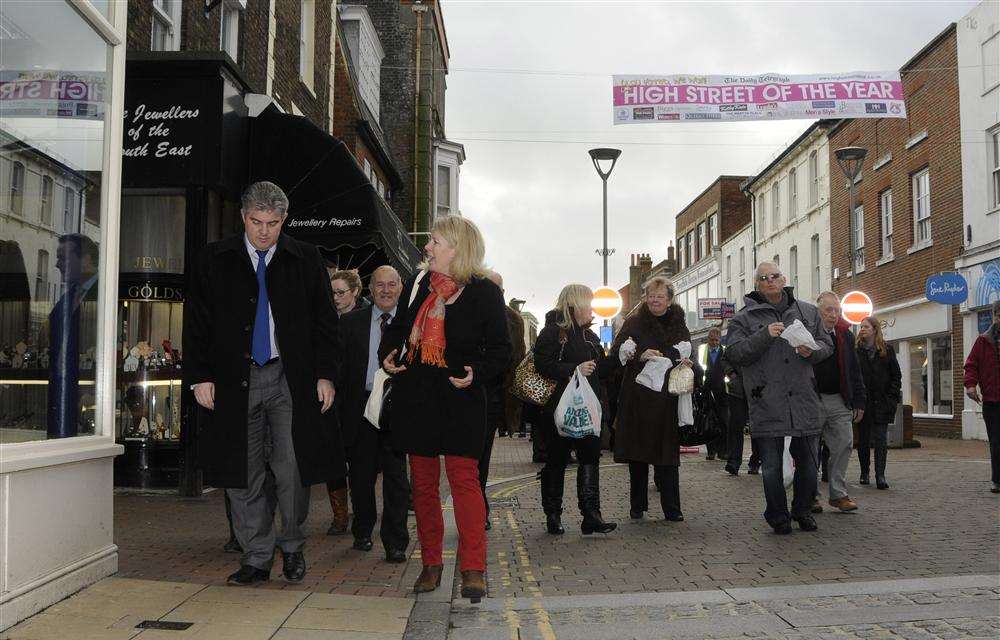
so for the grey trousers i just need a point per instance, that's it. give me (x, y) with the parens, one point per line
(836, 419)
(269, 444)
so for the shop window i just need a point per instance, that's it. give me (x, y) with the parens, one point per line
(859, 238)
(166, 25)
(919, 369)
(813, 178)
(149, 242)
(793, 195)
(49, 317)
(17, 188)
(307, 41)
(931, 376)
(921, 188)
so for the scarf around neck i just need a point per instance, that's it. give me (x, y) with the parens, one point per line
(427, 335)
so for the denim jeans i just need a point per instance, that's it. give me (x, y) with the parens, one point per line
(805, 451)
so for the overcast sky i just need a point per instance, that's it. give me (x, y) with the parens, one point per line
(541, 71)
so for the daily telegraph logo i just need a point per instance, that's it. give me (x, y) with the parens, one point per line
(875, 107)
(732, 107)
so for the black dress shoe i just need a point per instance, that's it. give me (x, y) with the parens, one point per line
(731, 471)
(635, 514)
(247, 576)
(674, 517)
(294, 566)
(362, 544)
(395, 556)
(782, 529)
(233, 546)
(806, 523)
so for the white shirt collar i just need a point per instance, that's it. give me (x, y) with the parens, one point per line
(252, 250)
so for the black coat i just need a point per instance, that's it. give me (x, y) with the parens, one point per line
(557, 361)
(883, 383)
(355, 333)
(647, 424)
(429, 416)
(715, 374)
(218, 330)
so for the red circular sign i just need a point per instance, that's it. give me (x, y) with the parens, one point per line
(856, 306)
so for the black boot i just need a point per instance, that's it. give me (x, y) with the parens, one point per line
(881, 453)
(588, 492)
(865, 460)
(552, 496)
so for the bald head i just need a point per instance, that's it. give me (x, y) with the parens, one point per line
(386, 287)
(496, 279)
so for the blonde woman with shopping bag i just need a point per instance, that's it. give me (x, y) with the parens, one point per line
(567, 347)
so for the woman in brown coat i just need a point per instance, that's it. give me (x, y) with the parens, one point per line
(646, 425)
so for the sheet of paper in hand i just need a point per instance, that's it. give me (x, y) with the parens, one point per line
(797, 335)
(654, 373)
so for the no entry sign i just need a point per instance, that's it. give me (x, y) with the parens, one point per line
(607, 303)
(856, 306)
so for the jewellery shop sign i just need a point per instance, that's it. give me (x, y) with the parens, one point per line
(167, 138)
(150, 292)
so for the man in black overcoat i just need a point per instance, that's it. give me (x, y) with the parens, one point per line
(368, 448)
(715, 381)
(261, 355)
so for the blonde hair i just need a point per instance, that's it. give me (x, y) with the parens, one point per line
(470, 249)
(658, 282)
(350, 276)
(572, 297)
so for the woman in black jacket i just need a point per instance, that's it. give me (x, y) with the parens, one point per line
(565, 345)
(883, 383)
(454, 330)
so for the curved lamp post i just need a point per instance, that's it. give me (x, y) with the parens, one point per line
(850, 160)
(606, 156)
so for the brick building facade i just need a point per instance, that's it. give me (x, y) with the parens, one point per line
(909, 204)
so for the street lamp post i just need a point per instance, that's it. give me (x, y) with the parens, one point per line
(598, 156)
(850, 159)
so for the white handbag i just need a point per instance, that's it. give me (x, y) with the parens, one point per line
(373, 408)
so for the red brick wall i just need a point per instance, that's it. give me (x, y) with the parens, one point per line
(733, 212)
(932, 104)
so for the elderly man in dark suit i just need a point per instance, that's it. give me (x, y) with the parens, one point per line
(715, 381)
(368, 449)
(261, 349)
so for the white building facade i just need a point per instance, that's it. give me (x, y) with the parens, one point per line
(736, 266)
(61, 117)
(979, 112)
(791, 213)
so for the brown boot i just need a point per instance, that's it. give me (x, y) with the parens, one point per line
(338, 504)
(429, 580)
(473, 585)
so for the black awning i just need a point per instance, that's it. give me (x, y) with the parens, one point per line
(332, 203)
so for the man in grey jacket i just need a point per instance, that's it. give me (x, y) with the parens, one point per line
(778, 382)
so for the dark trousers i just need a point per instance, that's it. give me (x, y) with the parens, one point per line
(804, 452)
(720, 414)
(370, 455)
(871, 435)
(737, 424)
(668, 478)
(557, 448)
(991, 414)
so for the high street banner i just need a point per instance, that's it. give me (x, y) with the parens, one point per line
(677, 98)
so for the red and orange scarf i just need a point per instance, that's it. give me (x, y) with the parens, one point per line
(427, 335)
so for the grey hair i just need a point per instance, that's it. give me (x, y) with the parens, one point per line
(264, 196)
(827, 294)
(766, 263)
(659, 281)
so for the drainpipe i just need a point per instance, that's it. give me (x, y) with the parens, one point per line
(419, 9)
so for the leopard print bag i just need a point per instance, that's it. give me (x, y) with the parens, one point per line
(531, 386)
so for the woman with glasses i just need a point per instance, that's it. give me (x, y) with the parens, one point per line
(347, 291)
(346, 285)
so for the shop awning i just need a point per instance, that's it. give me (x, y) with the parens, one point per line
(332, 203)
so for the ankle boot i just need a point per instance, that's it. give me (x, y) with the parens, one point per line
(338, 505)
(552, 496)
(881, 453)
(588, 493)
(864, 459)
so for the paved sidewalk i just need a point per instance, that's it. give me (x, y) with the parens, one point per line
(121, 609)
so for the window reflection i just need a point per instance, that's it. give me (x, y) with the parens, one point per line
(53, 103)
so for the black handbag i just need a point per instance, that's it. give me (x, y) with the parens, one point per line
(706, 427)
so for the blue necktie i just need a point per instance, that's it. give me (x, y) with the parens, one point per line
(261, 322)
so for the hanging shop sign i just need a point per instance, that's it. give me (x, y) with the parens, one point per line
(715, 309)
(947, 288)
(708, 98)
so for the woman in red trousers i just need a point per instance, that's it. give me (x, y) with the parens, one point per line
(453, 338)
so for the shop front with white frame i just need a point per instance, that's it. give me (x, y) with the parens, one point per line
(60, 167)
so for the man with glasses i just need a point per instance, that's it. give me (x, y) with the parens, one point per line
(778, 382)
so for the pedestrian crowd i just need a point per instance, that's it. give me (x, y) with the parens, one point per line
(302, 381)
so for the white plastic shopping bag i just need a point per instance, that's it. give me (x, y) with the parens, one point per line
(578, 413)
(685, 402)
(373, 408)
(627, 351)
(797, 335)
(654, 373)
(787, 468)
